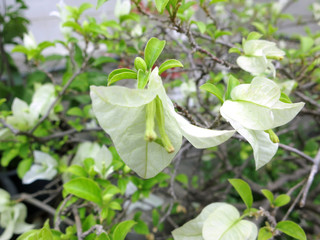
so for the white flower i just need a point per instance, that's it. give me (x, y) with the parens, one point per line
(258, 56)
(101, 156)
(123, 7)
(255, 108)
(217, 221)
(64, 15)
(121, 112)
(24, 117)
(44, 168)
(28, 41)
(12, 217)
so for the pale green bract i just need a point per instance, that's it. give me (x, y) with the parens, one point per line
(12, 217)
(121, 112)
(255, 108)
(44, 168)
(29, 41)
(217, 221)
(258, 56)
(24, 117)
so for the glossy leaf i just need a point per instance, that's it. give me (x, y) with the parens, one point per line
(84, 188)
(244, 191)
(291, 229)
(282, 200)
(122, 229)
(100, 2)
(268, 195)
(213, 90)
(264, 234)
(142, 78)
(232, 83)
(103, 59)
(161, 5)
(153, 50)
(172, 63)
(121, 76)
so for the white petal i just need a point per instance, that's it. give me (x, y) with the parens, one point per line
(261, 91)
(28, 41)
(256, 47)
(44, 159)
(192, 230)
(42, 99)
(224, 224)
(38, 172)
(247, 114)
(86, 150)
(124, 121)
(273, 51)
(263, 148)
(201, 137)
(103, 159)
(19, 216)
(254, 65)
(9, 228)
(285, 112)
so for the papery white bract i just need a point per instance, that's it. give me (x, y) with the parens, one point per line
(24, 117)
(123, 7)
(12, 217)
(121, 112)
(64, 15)
(29, 41)
(44, 168)
(101, 155)
(258, 56)
(217, 221)
(255, 108)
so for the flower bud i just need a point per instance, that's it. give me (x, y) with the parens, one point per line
(139, 63)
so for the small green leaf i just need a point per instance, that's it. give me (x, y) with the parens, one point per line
(284, 98)
(84, 188)
(115, 206)
(102, 60)
(8, 155)
(100, 2)
(182, 178)
(268, 195)
(84, 6)
(142, 78)
(259, 26)
(24, 166)
(201, 26)
(103, 236)
(264, 234)
(306, 44)
(21, 49)
(235, 50)
(172, 63)
(282, 200)
(141, 227)
(155, 217)
(153, 50)
(232, 83)
(254, 36)
(122, 229)
(77, 171)
(291, 229)
(161, 5)
(75, 111)
(121, 76)
(116, 72)
(244, 191)
(139, 63)
(213, 90)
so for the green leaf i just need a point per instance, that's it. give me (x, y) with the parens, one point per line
(284, 98)
(116, 72)
(232, 82)
(102, 60)
(23, 167)
(306, 44)
(84, 188)
(155, 217)
(84, 6)
(103, 236)
(8, 155)
(201, 26)
(139, 63)
(122, 229)
(100, 2)
(171, 63)
(264, 234)
(21, 49)
(121, 76)
(75, 111)
(244, 191)
(161, 5)
(291, 229)
(282, 200)
(142, 78)
(115, 205)
(235, 50)
(260, 27)
(182, 178)
(73, 25)
(153, 50)
(213, 90)
(268, 195)
(141, 227)
(254, 36)
(77, 170)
